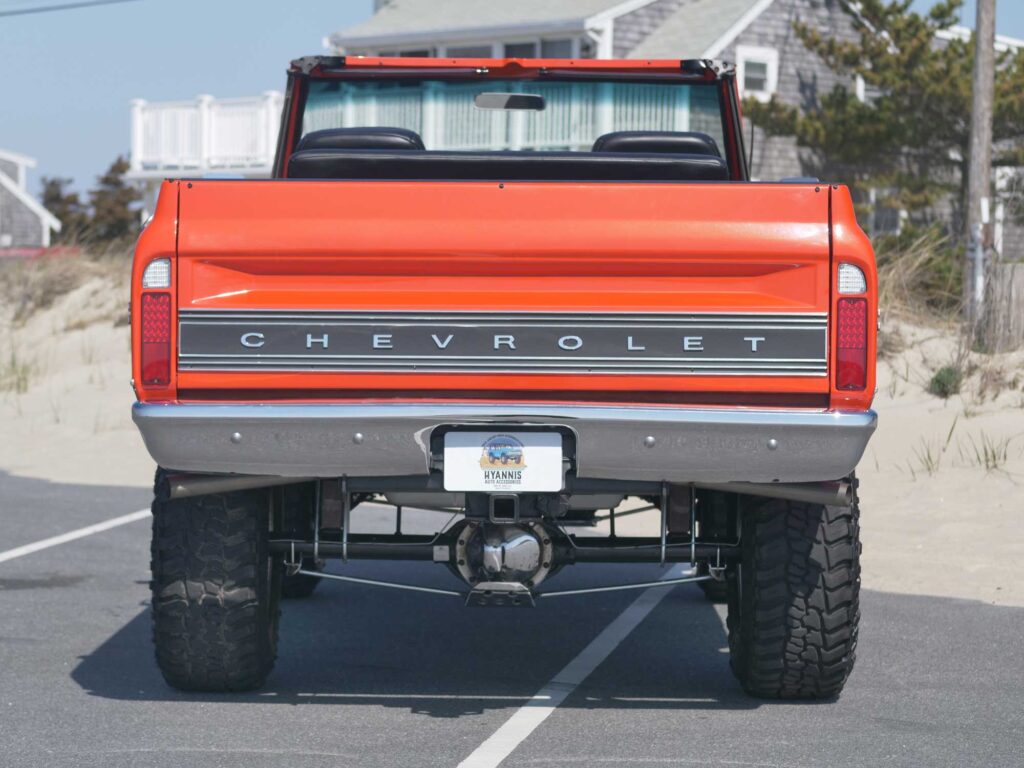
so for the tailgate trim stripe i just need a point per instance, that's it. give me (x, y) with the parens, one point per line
(682, 343)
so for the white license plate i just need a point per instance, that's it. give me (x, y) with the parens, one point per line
(504, 462)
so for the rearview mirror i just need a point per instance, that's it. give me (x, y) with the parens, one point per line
(509, 101)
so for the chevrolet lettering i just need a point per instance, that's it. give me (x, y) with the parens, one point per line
(761, 344)
(463, 290)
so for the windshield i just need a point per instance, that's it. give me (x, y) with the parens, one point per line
(451, 115)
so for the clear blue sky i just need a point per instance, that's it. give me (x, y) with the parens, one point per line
(1009, 15)
(66, 78)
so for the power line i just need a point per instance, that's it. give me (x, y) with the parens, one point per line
(62, 7)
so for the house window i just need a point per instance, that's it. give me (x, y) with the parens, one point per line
(758, 71)
(420, 53)
(520, 50)
(470, 51)
(886, 218)
(755, 77)
(556, 49)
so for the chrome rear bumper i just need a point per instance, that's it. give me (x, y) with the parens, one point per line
(613, 442)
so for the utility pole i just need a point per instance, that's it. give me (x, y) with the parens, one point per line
(979, 167)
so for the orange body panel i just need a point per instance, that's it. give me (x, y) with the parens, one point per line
(483, 246)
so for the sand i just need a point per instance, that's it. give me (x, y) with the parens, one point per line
(935, 519)
(73, 424)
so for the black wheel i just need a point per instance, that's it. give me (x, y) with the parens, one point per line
(297, 502)
(715, 591)
(215, 590)
(794, 599)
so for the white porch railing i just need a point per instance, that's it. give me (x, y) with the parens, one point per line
(206, 135)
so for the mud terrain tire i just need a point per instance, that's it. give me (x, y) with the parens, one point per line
(215, 591)
(794, 599)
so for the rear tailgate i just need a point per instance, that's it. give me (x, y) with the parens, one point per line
(546, 290)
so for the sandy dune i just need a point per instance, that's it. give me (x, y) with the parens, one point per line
(935, 519)
(73, 424)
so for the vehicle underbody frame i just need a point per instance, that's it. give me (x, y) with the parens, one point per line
(707, 559)
(677, 542)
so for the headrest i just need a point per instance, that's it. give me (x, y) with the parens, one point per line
(676, 142)
(362, 138)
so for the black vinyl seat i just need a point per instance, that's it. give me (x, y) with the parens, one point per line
(362, 138)
(676, 142)
(393, 165)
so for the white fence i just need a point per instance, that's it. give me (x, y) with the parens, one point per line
(206, 135)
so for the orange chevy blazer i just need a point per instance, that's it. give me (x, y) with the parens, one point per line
(520, 292)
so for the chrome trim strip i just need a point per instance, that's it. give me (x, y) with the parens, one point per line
(686, 444)
(585, 360)
(499, 316)
(635, 370)
(405, 323)
(195, 325)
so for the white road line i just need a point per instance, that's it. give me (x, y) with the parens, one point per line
(413, 696)
(527, 718)
(78, 533)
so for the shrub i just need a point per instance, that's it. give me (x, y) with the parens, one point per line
(31, 285)
(920, 272)
(946, 382)
(15, 373)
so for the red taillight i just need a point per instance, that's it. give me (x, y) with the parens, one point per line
(852, 344)
(156, 339)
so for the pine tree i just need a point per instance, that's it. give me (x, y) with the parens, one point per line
(911, 134)
(114, 204)
(67, 207)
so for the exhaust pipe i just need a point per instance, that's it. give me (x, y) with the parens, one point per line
(833, 494)
(187, 486)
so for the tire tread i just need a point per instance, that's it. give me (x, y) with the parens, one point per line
(213, 629)
(793, 621)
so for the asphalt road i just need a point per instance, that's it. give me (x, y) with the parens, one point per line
(368, 677)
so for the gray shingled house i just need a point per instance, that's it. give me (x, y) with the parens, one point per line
(755, 34)
(24, 222)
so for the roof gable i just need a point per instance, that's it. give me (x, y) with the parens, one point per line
(700, 29)
(437, 20)
(23, 160)
(30, 202)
